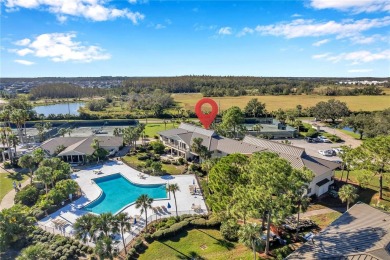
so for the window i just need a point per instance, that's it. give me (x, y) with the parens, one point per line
(308, 190)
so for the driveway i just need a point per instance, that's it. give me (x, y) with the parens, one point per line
(348, 140)
(312, 148)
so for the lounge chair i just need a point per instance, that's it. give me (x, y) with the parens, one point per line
(164, 208)
(155, 210)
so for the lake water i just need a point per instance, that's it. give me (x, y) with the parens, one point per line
(59, 108)
(348, 129)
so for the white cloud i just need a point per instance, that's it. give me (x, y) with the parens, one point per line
(23, 42)
(296, 15)
(360, 70)
(159, 26)
(94, 10)
(24, 62)
(321, 56)
(355, 57)
(319, 43)
(225, 31)
(356, 6)
(245, 31)
(360, 39)
(306, 28)
(60, 47)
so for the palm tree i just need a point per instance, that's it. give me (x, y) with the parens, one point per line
(174, 188)
(117, 131)
(85, 226)
(348, 193)
(347, 156)
(104, 248)
(250, 235)
(303, 203)
(104, 223)
(62, 132)
(45, 175)
(96, 146)
(122, 221)
(144, 202)
(69, 131)
(27, 161)
(14, 141)
(257, 128)
(19, 117)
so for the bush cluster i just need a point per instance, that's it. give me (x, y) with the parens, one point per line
(169, 228)
(229, 230)
(282, 252)
(59, 247)
(27, 196)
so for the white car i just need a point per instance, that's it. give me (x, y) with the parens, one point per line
(324, 140)
(326, 152)
(338, 150)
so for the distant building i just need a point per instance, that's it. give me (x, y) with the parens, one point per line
(363, 232)
(272, 128)
(179, 142)
(78, 148)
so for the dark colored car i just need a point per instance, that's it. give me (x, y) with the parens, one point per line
(309, 139)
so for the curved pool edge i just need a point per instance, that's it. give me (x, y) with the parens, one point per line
(127, 205)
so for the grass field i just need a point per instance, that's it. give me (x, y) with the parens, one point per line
(355, 103)
(369, 195)
(6, 180)
(152, 129)
(352, 134)
(196, 244)
(323, 220)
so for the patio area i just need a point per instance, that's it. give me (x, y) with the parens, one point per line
(61, 221)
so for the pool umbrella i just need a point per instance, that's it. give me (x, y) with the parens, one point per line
(135, 221)
(169, 205)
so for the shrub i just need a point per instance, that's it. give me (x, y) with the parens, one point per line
(148, 238)
(229, 230)
(143, 157)
(59, 249)
(139, 245)
(7, 165)
(181, 161)
(282, 252)
(158, 234)
(312, 133)
(184, 216)
(90, 250)
(199, 223)
(158, 147)
(63, 258)
(73, 248)
(27, 196)
(84, 249)
(131, 254)
(170, 222)
(213, 222)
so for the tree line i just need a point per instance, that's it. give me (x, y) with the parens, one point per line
(63, 90)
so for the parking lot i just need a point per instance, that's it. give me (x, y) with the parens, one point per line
(312, 148)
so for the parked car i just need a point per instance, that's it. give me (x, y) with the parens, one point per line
(324, 139)
(326, 152)
(338, 150)
(309, 139)
(333, 193)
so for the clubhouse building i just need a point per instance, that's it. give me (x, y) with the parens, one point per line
(179, 141)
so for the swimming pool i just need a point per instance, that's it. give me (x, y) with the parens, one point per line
(118, 192)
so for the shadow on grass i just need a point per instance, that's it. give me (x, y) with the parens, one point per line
(192, 255)
(221, 242)
(15, 176)
(177, 237)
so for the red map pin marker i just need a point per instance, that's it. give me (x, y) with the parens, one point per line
(206, 119)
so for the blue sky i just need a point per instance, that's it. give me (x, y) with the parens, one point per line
(348, 38)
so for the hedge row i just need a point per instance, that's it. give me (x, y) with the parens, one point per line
(187, 221)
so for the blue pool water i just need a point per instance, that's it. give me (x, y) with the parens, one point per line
(119, 192)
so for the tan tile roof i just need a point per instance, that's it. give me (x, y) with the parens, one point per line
(363, 231)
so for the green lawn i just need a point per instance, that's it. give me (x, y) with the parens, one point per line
(369, 195)
(6, 180)
(196, 244)
(324, 220)
(152, 129)
(168, 168)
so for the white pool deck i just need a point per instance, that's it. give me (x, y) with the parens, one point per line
(91, 192)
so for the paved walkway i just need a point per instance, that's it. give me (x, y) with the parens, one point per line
(348, 140)
(8, 200)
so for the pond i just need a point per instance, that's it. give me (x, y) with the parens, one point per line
(348, 129)
(56, 109)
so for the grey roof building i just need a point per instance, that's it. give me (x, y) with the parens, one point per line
(363, 232)
(77, 148)
(180, 140)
